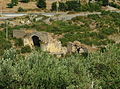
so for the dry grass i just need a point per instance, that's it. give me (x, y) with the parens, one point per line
(3, 5)
(30, 5)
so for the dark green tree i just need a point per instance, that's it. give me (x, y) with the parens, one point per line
(25, 1)
(73, 5)
(104, 2)
(14, 2)
(62, 6)
(41, 3)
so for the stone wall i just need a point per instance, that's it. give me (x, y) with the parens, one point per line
(19, 33)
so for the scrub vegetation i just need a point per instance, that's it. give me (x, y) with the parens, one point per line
(40, 70)
(25, 68)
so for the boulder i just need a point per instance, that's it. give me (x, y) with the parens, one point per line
(76, 47)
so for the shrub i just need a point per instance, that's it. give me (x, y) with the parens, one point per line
(40, 70)
(94, 7)
(41, 3)
(26, 49)
(105, 12)
(20, 9)
(14, 2)
(10, 54)
(76, 6)
(25, 1)
(4, 45)
(94, 16)
(104, 2)
(18, 42)
(62, 6)
(108, 31)
(114, 5)
(91, 7)
(73, 5)
(10, 5)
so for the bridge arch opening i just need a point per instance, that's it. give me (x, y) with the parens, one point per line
(36, 41)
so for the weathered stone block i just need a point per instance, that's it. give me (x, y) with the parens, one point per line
(19, 33)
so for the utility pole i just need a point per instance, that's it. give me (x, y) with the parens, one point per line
(57, 6)
(6, 29)
(78, 1)
(1, 9)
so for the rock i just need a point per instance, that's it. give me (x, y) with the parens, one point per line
(93, 25)
(38, 19)
(76, 47)
(47, 21)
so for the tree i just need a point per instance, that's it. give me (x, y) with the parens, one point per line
(41, 3)
(73, 5)
(25, 1)
(14, 2)
(104, 2)
(62, 6)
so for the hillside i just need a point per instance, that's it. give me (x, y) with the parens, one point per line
(95, 31)
(3, 4)
(31, 6)
(91, 50)
(39, 70)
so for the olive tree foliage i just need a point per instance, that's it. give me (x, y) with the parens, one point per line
(75, 5)
(25, 1)
(40, 70)
(12, 4)
(41, 4)
(103, 2)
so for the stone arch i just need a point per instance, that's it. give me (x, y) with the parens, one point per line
(36, 41)
(44, 37)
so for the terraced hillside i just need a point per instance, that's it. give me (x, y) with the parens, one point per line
(24, 68)
(95, 31)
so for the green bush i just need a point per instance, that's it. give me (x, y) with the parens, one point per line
(20, 9)
(26, 49)
(10, 5)
(105, 12)
(42, 71)
(91, 7)
(14, 2)
(18, 42)
(114, 5)
(103, 2)
(94, 16)
(25, 1)
(41, 4)
(73, 5)
(108, 31)
(10, 54)
(76, 6)
(62, 6)
(94, 7)
(4, 45)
